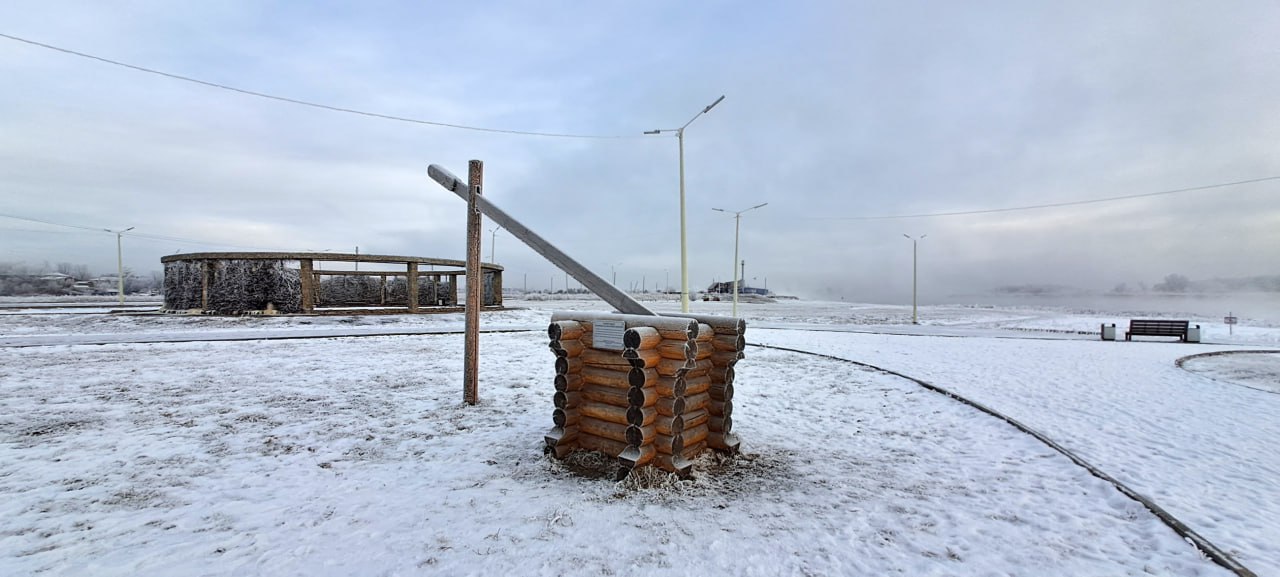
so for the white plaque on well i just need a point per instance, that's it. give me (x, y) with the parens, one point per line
(607, 335)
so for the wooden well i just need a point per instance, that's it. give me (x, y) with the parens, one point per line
(648, 390)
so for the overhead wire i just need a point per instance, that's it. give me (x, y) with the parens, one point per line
(562, 135)
(314, 104)
(138, 235)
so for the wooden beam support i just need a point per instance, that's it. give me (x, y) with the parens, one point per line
(307, 278)
(412, 283)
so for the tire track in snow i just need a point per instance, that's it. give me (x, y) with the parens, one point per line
(1205, 546)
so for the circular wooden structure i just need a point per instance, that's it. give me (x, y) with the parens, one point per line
(297, 283)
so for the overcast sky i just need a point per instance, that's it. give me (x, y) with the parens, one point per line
(834, 112)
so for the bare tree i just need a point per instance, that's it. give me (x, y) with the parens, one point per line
(1174, 283)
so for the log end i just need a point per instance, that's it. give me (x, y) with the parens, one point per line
(560, 440)
(724, 442)
(675, 464)
(635, 456)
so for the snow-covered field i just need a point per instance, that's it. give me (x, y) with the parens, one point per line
(354, 456)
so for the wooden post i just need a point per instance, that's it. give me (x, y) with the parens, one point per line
(471, 353)
(412, 284)
(307, 277)
(205, 280)
(497, 288)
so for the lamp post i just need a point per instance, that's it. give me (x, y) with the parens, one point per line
(915, 319)
(737, 220)
(684, 254)
(613, 269)
(493, 242)
(119, 260)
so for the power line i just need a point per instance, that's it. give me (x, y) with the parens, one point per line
(29, 219)
(7, 229)
(312, 104)
(138, 235)
(1049, 205)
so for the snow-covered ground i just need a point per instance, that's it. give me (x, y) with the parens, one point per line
(340, 456)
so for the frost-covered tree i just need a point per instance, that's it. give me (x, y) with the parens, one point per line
(1173, 283)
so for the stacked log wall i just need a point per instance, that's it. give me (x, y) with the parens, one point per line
(723, 345)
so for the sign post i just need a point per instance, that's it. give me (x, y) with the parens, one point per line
(1231, 323)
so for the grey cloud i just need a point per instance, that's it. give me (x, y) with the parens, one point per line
(832, 110)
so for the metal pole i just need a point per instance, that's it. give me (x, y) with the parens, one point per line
(120, 266)
(684, 254)
(737, 219)
(493, 243)
(471, 348)
(119, 260)
(915, 319)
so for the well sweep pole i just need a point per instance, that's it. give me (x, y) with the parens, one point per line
(471, 352)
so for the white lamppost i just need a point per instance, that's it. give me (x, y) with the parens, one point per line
(737, 220)
(119, 260)
(684, 254)
(915, 319)
(493, 242)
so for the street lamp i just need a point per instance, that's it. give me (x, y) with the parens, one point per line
(915, 319)
(684, 254)
(737, 219)
(119, 260)
(493, 242)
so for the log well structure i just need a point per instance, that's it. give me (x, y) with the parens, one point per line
(297, 283)
(659, 398)
(649, 390)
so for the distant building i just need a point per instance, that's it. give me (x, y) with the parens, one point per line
(35, 284)
(107, 284)
(726, 288)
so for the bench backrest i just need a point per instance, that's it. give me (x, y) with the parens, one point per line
(1158, 327)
